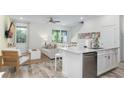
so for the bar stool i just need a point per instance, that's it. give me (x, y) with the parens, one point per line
(59, 56)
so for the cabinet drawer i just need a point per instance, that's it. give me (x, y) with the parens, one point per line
(102, 52)
(108, 51)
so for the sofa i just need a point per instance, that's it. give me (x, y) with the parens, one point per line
(49, 52)
(49, 49)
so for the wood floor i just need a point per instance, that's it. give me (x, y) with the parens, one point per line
(44, 68)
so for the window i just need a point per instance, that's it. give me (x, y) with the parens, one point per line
(59, 36)
(63, 36)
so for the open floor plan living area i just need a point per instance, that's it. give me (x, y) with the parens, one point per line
(62, 46)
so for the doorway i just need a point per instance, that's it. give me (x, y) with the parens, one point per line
(22, 37)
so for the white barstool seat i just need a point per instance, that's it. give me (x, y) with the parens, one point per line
(59, 56)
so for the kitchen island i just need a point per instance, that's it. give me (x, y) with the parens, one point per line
(72, 66)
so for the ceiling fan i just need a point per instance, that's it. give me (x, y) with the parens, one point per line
(53, 21)
(82, 22)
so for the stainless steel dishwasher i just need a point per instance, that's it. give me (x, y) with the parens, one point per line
(90, 65)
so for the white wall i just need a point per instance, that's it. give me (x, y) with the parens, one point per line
(38, 30)
(3, 40)
(108, 25)
(122, 37)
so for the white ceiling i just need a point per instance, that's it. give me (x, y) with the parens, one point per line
(68, 20)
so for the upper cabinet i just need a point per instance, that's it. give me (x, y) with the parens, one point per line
(110, 30)
(110, 36)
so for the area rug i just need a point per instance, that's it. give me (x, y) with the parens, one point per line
(39, 70)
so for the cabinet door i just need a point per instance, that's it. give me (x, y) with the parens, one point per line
(112, 59)
(106, 62)
(105, 34)
(101, 63)
(109, 61)
(108, 30)
(115, 58)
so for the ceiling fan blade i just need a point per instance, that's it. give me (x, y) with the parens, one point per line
(51, 19)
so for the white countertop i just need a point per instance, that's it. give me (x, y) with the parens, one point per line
(84, 50)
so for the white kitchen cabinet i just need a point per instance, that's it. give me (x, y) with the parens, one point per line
(110, 36)
(115, 60)
(106, 60)
(101, 62)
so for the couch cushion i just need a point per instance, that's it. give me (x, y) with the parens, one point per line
(49, 52)
(13, 49)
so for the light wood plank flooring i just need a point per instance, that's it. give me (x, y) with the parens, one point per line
(44, 68)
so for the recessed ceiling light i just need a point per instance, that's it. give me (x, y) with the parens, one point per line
(81, 18)
(21, 18)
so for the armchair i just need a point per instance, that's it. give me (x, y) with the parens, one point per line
(14, 58)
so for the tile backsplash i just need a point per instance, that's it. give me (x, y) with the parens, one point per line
(89, 35)
(90, 39)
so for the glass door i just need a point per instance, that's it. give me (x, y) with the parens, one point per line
(21, 38)
(59, 36)
(63, 36)
(56, 36)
